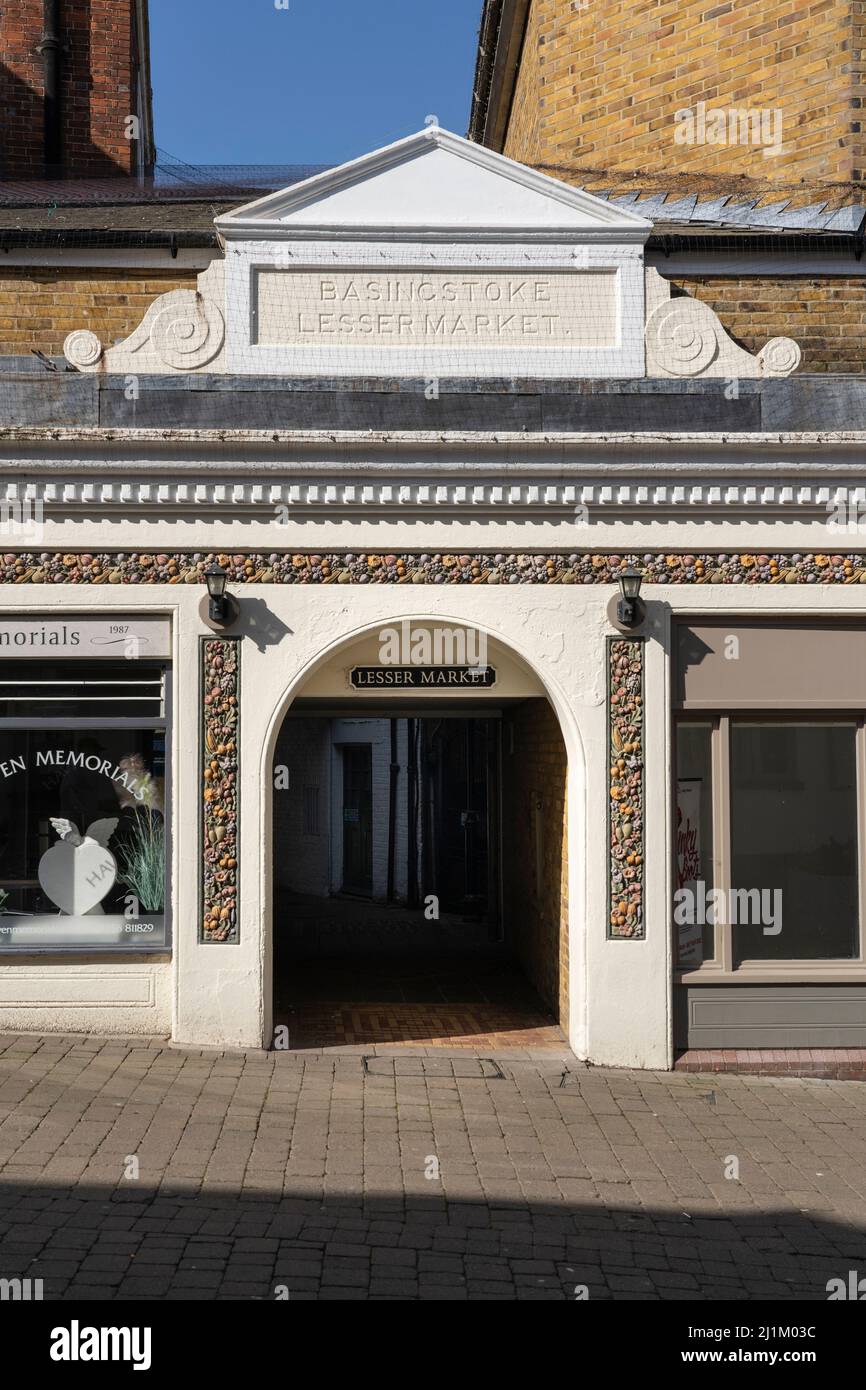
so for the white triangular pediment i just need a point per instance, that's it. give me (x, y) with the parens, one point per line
(433, 184)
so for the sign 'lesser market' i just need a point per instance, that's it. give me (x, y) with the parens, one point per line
(421, 678)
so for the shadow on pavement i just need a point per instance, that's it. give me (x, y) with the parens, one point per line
(134, 1243)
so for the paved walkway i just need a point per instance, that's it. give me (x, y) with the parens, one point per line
(133, 1170)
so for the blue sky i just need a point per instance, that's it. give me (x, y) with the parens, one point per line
(241, 82)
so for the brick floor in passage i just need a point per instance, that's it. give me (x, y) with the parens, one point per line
(133, 1170)
(480, 1026)
(477, 1002)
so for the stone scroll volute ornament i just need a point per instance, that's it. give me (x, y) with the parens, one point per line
(685, 338)
(182, 331)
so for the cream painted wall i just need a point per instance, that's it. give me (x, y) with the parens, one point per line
(611, 532)
(220, 995)
(514, 679)
(86, 995)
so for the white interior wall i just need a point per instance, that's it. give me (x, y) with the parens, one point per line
(302, 860)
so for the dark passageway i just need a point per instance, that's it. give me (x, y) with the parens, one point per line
(418, 881)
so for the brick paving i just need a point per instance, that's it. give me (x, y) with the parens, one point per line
(475, 1026)
(316, 1174)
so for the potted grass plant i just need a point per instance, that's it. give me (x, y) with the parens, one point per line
(141, 860)
(139, 847)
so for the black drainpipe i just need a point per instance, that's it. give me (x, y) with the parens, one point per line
(50, 48)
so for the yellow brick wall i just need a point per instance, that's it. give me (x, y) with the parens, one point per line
(536, 924)
(606, 77)
(827, 317)
(39, 307)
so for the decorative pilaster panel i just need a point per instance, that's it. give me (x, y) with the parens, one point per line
(220, 787)
(625, 737)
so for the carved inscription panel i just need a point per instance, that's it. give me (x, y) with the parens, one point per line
(429, 309)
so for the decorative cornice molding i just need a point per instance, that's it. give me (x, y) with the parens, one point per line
(474, 498)
(78, 473)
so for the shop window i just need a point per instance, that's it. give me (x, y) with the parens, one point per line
(794, 840)
(83, 808)
(770, 834)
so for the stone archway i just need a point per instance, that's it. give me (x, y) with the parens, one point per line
(527, 839)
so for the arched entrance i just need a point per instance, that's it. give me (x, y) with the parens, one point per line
(419, 849)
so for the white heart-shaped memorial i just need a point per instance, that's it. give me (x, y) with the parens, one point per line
(77, 877)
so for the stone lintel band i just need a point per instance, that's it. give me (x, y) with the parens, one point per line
(625, 737)
(355, 567)
(220, 787)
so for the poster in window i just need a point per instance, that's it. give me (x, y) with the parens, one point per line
(690, 931)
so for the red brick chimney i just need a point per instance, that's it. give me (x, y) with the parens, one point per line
(72, 74)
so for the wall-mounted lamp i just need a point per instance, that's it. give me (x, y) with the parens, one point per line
(631, 610)
(219, 608)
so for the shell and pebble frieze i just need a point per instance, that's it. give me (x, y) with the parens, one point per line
(626, 774)
(220, 734)
(586, 567)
